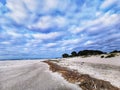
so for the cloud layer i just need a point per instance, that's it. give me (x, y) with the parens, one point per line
(48, 28)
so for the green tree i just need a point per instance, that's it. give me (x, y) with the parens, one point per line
(73, 54)
(65, 55)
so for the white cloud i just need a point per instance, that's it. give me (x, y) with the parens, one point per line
(33, 5)
(111, 19)
(46, 22)
(6, 43)
(50, 5)
(88, 43)
(66, 45)
(3, 21)
(99, 13)
(108, 3)
(75, 29)
(17, 11)
(60, 21)
(10, 33)
(105, 20)
(70, 42)
(33, 43)
(26, 49)
(23, 10)
(13, 34)
(52, 35)
(43, 23)
(41, 6)
(49, 45)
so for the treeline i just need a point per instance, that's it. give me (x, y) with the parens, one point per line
(86, 53)
(115, 51)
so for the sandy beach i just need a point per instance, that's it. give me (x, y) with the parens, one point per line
(30, 75)
(36, 75)
(59, 44)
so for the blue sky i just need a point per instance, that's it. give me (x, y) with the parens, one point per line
(49, 28)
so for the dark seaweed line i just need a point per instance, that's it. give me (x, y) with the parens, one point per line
(83, 80)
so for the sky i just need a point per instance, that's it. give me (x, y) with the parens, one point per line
(49, 28)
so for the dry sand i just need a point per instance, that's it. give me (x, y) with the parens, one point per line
(107, 69)
(31, 75)
(35, 75)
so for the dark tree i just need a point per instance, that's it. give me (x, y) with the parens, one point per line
(65, 55)
(115, 51)
(73, 54)
(84, 53)
(90, 52)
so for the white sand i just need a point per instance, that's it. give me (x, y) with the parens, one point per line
(31, 75)
(102, 68)
(35, 75)
(97, 59)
